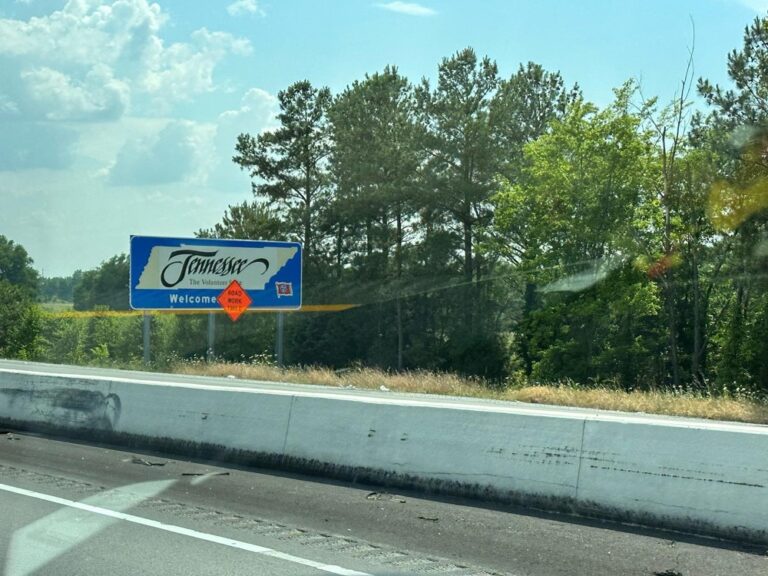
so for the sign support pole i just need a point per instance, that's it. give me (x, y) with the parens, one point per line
(399, 335)
(279, 341)
(211, 336)
(147, 330)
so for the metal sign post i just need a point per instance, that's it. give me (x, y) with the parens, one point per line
(280, 339)
(147, 330)
(210, 353)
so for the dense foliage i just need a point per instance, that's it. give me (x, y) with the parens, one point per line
(507, 227)
(60, 289)
(106, 287)
(19, 317)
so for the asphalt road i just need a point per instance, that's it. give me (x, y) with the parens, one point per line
(70, 508)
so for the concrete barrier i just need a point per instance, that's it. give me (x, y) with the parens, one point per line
(485, 449)
(704, 477)
(112, 407)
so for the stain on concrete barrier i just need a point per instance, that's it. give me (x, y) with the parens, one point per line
(67, 407)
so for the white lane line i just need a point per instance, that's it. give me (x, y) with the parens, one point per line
(330, 568)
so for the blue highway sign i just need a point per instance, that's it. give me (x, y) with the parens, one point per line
(190, 273)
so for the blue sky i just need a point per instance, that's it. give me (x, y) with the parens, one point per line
(119, 117)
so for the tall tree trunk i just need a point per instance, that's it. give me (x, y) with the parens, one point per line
(525, 346)
(672, 332)
(307, 209)
(385, 243)
(399, 334)
(368, 240)
(669, 289)
(696, 355)
(399, 241)
(307, 231)
(339, 242)
(469, 303)
(468, 263)
(399, 270)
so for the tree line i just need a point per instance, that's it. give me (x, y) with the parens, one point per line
(508, 228)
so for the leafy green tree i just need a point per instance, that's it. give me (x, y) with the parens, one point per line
(747, 105)
(523, 108)
(19, 323)
(59, 288)
(377, 155)
(376, 158)
(460, 140)
(738, 200)
(289, 164)
(582, 188)
(606, 332)
(16, 266)
(609, 244)
(105, 287)
(665, 243)
(756, 360)
(574, 222)
(19, 317)
(248, 221)
(695, 272)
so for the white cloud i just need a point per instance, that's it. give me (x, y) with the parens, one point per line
(221, 43)
(179, 152)
(161, 167)
(61, 97)
(760, 6)
(89, 125)
(244, 7)
(410, 8)
(97, 61)
(183, 70)
(102, 59)
(257, 112)
(82, 32)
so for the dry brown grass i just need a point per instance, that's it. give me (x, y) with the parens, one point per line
(736, 410)
(364, 378)
(692, 406)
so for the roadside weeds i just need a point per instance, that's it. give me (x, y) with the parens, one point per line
(685, 404)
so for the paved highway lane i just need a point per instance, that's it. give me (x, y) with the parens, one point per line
(94, 510)
(49, 539)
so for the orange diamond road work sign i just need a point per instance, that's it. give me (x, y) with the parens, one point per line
(234, 300)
